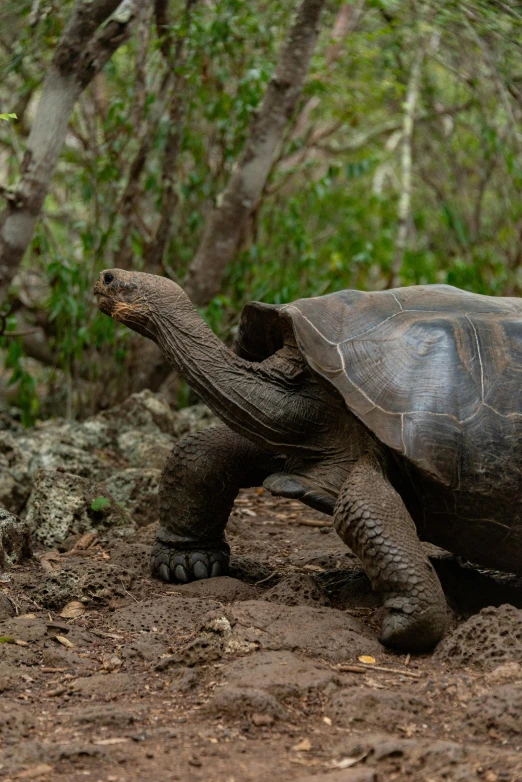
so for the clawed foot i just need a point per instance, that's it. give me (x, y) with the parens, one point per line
(172, 564)
(409, 627)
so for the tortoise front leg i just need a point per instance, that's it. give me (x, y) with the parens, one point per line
(372, 519)
(199, 484)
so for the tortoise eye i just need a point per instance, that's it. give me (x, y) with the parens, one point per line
(108, 278)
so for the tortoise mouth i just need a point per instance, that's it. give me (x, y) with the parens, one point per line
(105, 302)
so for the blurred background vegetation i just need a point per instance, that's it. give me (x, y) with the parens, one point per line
(401, 165)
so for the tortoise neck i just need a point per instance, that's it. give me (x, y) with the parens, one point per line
(243, 394)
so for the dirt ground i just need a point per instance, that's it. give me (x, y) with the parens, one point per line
(107, 674)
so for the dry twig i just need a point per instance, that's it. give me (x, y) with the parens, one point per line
(366, 668)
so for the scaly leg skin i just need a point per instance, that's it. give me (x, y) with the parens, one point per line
(199, 484)
(372, 519)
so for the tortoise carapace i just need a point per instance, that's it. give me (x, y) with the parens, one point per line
(398, 411)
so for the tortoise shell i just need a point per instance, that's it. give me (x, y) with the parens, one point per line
(433, 371)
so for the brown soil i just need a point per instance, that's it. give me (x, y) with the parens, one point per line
(240, 679)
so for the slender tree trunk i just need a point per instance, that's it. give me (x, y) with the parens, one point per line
(81, 53)
(224, 227)
(156, 249)
(176, 55)
(406, 163)
(410, 108)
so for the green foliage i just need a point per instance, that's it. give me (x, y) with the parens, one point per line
(99, 503)
(15, 363)
(27, 397)
(7, 117)
(328, 218)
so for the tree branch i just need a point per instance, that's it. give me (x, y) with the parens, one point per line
(161, 16)
(81, 53)
(177, 115)
(224, 227)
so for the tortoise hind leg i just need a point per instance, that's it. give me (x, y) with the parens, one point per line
(372, 519)
(199, 484)
(297, 487)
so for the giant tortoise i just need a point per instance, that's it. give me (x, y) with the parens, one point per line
(397, 411)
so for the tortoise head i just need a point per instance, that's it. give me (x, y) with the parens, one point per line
(133, 298)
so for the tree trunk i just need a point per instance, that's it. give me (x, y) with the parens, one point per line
(410, 107)
(81, 53)
(156, 249)
(224, 227)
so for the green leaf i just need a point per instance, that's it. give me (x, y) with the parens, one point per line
(99, 503)
(7, 117)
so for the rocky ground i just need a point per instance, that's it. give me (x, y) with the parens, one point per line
(275, 670)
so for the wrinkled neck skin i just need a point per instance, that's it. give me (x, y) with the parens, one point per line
(277, 403)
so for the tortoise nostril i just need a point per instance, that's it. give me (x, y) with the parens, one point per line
(108, 278)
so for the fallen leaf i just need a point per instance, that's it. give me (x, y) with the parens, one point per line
(346, 762)
(303, 746)
(72, 610)
(34, 772)
(327, 720)
(64, 641)
(315, 568)
(52, 554)
(56, 693)
(86, 541)
(51, 561)
(7, 639)
(367, 659)
(27, 616)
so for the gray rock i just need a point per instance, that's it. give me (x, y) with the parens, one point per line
(15, 474)
(93, 583)
(145, 449)
(297, 589)
(282, 673)
(324, 632)
(61, 505)
(93, 433)
(137, 490)
(194, 419)
(48, 452)
(144, 410)
(51, 445)
(498, 710)
(15, 541)
(243, 701)
(6, 609)
(129, 443)
(486, 640)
